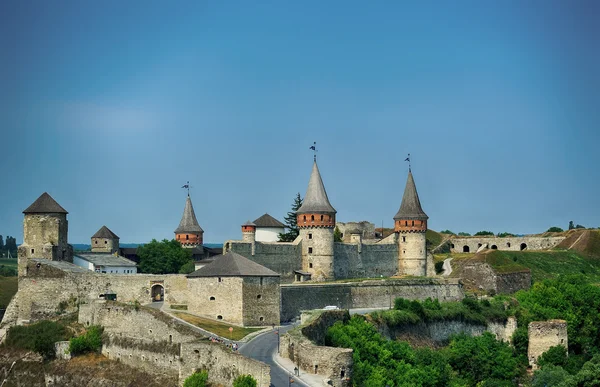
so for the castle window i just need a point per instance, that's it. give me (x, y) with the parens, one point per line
(32, 251)
(413, 222)
(312, 218)
(406, 222)
(261, 318)
(187, 237)
(304, 218)
(258, 297)
(310, 250)
(105, 242)
(508, 244)
(219, 317)
(310, 265)
(403, 239)
(321, 218)
(212, 298)
(170, 339)
(220, 279)
(96, 242)
(261, 281)
(309, 236)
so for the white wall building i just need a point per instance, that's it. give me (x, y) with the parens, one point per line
(105, 263)
(268, 229)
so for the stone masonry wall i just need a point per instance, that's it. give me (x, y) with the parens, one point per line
(481, 275)
(216, 298)
(509, 243)
(261, 301)
(334, 364)
(543, 335)
(366, 294)
(282, 258)
(365, 261)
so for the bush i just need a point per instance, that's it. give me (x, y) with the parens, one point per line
(555, 229)
(6, 271)
(244, 381)
(91, 341)
(439, 267)
(401, 304)
(464, 234)
(484, 233)
(556, 356)
(447, 232)
(197, 379)
(472, 304)
(187, 268)
(505, 235)
(549, 375)
(39, 337)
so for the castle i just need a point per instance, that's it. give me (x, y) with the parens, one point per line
(315, 256)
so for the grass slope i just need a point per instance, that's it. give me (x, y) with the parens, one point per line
(8, 288)
(218, 328)
(8, 262)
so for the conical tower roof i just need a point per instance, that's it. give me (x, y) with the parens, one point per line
(105, 232)
(411, 205)
(188, 223)
(45, 204)
(316, 200)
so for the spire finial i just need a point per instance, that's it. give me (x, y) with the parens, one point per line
(408, 159)
(187, 186)
(314, 149)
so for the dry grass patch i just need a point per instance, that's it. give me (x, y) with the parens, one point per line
(8, 288)
(218, 328)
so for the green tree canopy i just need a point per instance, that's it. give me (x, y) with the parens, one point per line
(462, 233)
(244, 381)
(197, 379)
(484, 233)
(447, 232)
(291, 222)
(555, 229)
(165, 257)
(337, 235)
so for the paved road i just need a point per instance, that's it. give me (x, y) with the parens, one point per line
(447, 267)
(262, 348)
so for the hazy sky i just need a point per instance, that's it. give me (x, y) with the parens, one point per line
(112, 106)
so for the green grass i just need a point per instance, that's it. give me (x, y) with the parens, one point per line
(545, 264)
(8, 288)
(218, 328)
(178, 307)
(433, 238)
(8, 262)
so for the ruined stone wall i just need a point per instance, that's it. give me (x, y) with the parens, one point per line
(480, 275)
(282, 258)
(366, 294)
(543, 335)
(365, 261)
(334, 364)
(508, 283)
(366, 229)
(508, 243)
(261, 301)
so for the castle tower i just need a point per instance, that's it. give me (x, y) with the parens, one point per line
(249, 234)
(316, 221)
(45, 230)
(189, 233)
(105, 241)
(410, 225)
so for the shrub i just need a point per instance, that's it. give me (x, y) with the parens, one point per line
(464, 234)
(91, 341)
(39, 337)
(472, 304)
(505, 235)
(439, 267)
(187, 268)
(401, 304)
(6, 271)
(549, 375)
(484, 233)
(556, 356)
(447, 232)
(197, 379)
(244, 381)
(555, 229)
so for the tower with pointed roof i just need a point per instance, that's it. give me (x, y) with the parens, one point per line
(105, 241)
(316, 221)
(410, 226)
(189, 233)
(45, 232)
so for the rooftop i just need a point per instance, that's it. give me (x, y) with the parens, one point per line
(105, 232)
(316, 200)
(188, 223)
(105, 259)
(268, 221)
(411, 205)
(233, 265)
(45, 204)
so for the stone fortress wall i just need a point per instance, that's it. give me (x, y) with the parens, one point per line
(543, 335)
(147, 339)
(365, 294)
(305, 347)
(282, 258)
(472, 244)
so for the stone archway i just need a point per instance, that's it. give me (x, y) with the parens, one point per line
(523, 246)
(494, 247)
(157, 293)
(466, 249)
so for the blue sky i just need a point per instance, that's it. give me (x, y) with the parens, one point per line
(112, 106)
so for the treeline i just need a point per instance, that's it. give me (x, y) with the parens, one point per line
(482, 361)
(508, 234)
(8, 246)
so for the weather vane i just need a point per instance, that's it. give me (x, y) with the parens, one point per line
(408, 159)
(187, 186)
(314, 149)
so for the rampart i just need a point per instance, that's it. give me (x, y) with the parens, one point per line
(148, 339)
(365, 294)
(480, 275)
(305, 347)
(282, 258)
(543, 335)
(365, 260)
(472, 244)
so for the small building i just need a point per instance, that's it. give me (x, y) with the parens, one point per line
(105, 263)
(105, 241)
(189, 233)
(268, 229)
(235, 289)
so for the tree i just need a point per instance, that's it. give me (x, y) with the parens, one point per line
(197, 379)
(1, 246)
(505, 235)
(188, 268)
(549, 375)
(244, 381)
(166, 257)
(447, 232)
(484, 233)
(571, 225)
(464, 234)
(579, 226)
(555, 229)
(291, 222)
(337, 235)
